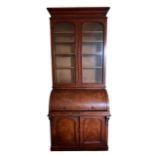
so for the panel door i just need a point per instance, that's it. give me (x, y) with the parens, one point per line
(65, 131)
(64, 52)
(92, 130)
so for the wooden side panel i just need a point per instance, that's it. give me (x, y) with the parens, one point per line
(92, 130)
(65, 131)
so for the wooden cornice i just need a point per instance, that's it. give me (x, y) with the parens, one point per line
(77, 12)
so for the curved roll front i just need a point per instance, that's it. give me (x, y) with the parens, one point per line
(78, 100)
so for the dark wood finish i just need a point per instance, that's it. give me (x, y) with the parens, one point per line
(79, 130)
(79, 148)
(65, 131)
(92, 130)
(71, 15)
(89, 100)
(79, 104)
(98, 12)
(105, 114)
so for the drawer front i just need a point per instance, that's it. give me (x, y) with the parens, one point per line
(80, 106)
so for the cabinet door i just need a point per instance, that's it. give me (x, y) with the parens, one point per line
(92, 53)
(63, 36)
(92, 130)
(65, 131)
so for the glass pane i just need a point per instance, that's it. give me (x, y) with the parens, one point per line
(91, 61)
(92, 37)
(92, 52)
(64, 61)
(64, 27)
(64, 38)
(64, 45)
(92, 27)
(89, 75)
(64, 76)
(64, 48)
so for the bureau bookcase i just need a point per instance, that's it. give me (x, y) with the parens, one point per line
(78, 107)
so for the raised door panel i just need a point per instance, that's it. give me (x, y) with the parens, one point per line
(92, 131)
(65, 131)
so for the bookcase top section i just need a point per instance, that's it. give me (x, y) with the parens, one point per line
(84, 11)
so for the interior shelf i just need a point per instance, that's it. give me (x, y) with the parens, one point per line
(64, 54)
(97, 67)
(85, 54)
(65, 68)
(93, 32)
(64, 42)
(98, 41)
(65, 32)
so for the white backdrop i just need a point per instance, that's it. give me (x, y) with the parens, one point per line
(25, 75)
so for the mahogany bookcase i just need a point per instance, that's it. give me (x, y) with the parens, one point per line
(78, 107)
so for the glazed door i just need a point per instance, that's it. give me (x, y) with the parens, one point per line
(92, 130)
(64, 53)
(65, 131)
(78, 53)
(92, 53)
